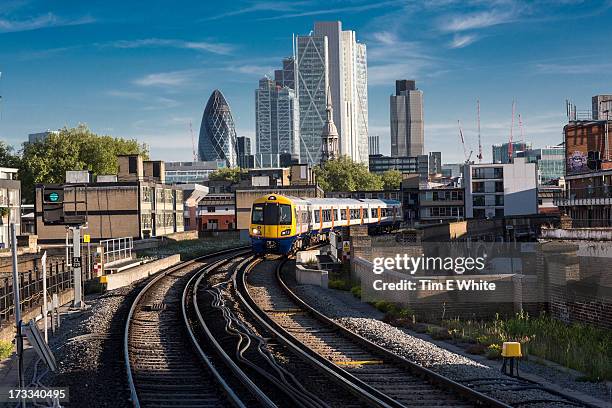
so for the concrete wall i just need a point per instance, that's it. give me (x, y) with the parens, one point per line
(306, 276)
(133, 274)
(588, 234)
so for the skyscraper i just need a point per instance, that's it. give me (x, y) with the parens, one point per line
(217, 139)
(286, 76)
(243, 149)
(407, 128)
(374, 144)
(311, 86)
(347, 75)
(276, 121)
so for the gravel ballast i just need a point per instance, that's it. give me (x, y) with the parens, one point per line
(365, 320)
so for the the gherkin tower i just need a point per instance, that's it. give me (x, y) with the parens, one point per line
(217, 132)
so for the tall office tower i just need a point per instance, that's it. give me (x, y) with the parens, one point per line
(602, 107)
(347, 72)
(311, 86)
(276, 121)
(217, 139)
(243, 148)
(407, 129)
(374, 144)
(501, 152)
(286, 76)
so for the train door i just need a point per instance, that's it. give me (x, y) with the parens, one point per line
(271, 220)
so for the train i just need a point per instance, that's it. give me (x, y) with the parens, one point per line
(284, 224)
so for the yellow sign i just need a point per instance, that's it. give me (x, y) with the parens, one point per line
(86, 238)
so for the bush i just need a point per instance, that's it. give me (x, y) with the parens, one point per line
(493, 352)
(356, 291)
(6, 349)
(339, 284)
(439, 334)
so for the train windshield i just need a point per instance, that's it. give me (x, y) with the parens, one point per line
(271, 214)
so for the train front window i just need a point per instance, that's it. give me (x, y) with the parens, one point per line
(285, 214)
(258, 214)
(271, 214)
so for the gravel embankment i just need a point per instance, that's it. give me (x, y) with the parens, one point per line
(88, 348)
(365, 320)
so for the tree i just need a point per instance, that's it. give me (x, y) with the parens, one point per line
(231, 174)
(391, 179)
(7, 156)
(343, 174)
(46, 161)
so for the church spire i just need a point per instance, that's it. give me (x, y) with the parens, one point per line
(329, 135)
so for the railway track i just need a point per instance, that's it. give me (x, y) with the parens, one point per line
(163, 367)
(375, 378)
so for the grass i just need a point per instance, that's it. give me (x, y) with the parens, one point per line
(582, 347)
(6, 349)
(339, 284)
(192, 248)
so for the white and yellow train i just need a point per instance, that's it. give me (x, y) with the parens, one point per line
(282, 224)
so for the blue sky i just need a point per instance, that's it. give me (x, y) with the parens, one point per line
(144, 71)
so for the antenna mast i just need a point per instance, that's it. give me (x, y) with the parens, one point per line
(193, 148)
(510, 147)
(479, 140)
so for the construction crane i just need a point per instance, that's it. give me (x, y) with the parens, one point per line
(521, 128)
(478, 126)
(510, 147)
(465, 153)
(193, 148)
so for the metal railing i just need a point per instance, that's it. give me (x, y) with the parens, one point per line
(59, 279)
(117, 249)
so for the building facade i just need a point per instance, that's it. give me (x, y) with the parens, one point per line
(10, 205)
(276, 120)
(374, 144)
(407, 165)
(406, 120)
(312, 85)
(501, 152)
(191, 172)
(441, 204)
(602, 107)
(243, 148)
(286, 77)
(500, 190)
(217, 212)
(217, 139)
(550, 161)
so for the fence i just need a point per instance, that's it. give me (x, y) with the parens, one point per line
(117, 249)
(59, 279)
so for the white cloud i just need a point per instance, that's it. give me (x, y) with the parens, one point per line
(461, 40)
(39, 22)
(167, 79)
(474, 21)
(216, 48)
(573, 69)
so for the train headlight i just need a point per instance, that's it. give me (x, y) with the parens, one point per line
(285, 232)
(256, 231)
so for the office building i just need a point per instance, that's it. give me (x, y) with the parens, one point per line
(312, 86)
(41, 136)
(191, 172)
(374, 145)
(243, 149)
(332, 59)
(452, 170)
(286, 77)
(602, 107)
(435, 162)
(137, 203)
(276, 120)
(550, 161)
(217, 139)
(501, 151)
(10, 204)
(406, 120)
(407, 165)
(500, 190)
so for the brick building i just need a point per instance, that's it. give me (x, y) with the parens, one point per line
(135, 203)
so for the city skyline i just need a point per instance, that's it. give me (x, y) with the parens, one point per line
(127, 77)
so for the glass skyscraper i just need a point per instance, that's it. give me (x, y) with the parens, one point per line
(217, 139)
(406, 117)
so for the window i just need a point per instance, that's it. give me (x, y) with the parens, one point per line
(257, 216)
(479, 213)
(499, 200)
(479, 200)
(285, 214)
(499, 212)
(210, 209)
(499, 186)
(478, 187)
(270, 214)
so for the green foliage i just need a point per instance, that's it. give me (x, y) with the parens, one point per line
(493, 352)
(226, 174)
(391, 179)
(47, 161)
(6, 349)
(578, 346)
(8, 158)
(4, 211)
(339, 284)
(356, 291)
(343, 174)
